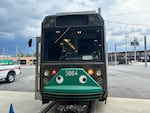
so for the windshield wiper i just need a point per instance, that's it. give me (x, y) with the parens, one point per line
(62, 34)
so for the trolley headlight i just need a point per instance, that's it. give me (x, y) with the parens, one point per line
(99, 72)
(46, 72)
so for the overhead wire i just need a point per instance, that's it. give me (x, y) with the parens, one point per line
(125, 23)
(126, 14)
(145, 25)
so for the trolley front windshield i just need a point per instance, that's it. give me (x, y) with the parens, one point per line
(72, 45)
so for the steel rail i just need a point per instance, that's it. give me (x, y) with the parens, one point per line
(48, 107)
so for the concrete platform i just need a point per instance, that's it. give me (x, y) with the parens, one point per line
(23, 102)
(122, 105)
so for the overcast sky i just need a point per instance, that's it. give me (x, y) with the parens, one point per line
(21, 19)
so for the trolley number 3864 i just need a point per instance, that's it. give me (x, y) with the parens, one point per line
(71, 73)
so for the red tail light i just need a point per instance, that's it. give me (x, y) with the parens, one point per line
(54, 72)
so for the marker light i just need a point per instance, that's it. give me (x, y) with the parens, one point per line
(54, 72)
(90, 72)
(46, 73)
(98, 72)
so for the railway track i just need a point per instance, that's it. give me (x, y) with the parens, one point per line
(48, 107)
(67, 107)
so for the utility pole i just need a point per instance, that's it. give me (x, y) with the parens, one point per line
(115, 56)
(145, 46)
(135, 40)
(111, 57)
(6, 54)
(134, 44)
(3, 52)
(126, 56)
(99, 10)
(17, 53)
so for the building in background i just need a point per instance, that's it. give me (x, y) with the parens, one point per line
(120, 57)
(21, 60)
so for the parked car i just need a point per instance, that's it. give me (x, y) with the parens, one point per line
(123, 61)
(8, 70)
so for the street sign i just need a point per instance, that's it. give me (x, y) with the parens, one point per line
(135, 43)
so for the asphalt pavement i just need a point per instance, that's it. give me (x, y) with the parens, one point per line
(130, 81)
(24, 82)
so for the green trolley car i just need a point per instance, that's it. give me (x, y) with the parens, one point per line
(71, 60)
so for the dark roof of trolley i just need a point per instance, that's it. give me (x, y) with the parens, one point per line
(65, 14)
(75, 13)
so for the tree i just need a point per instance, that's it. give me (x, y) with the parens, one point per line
(28, 55)
(21, 54)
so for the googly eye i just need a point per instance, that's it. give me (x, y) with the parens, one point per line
(83, 79)
(59, 79)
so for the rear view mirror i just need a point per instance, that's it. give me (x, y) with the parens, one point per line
(30, 42)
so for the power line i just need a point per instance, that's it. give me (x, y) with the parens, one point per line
(145, 25)
(126, 14)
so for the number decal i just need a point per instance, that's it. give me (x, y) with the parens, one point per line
(71, 73)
